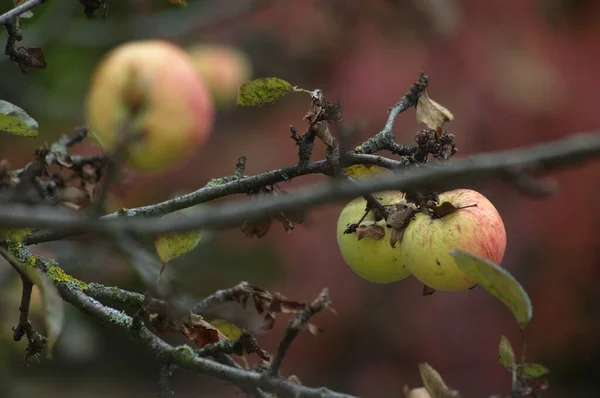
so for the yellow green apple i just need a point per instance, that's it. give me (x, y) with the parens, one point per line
(371, 257)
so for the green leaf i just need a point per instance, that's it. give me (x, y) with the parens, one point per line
(263, 91)
(534, 370)
(53, 307)
(170, 246)
(435, 384)
(498, 281)
(507, 355)
(15, 120)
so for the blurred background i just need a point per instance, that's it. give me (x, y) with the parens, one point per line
(514, 73)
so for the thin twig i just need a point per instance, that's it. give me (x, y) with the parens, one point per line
(535, 159)
(297, 323)
(385, 138)
(9, 16)
(220, 296)
(164, 381)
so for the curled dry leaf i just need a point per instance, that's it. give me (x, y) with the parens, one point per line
(432, 114)
(434, 383)
(193, 327)
(252, 308)
(322, 110)
(370, 231)
(399, 219)
(258, 228)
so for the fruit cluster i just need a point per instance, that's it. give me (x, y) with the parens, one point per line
(382, 251)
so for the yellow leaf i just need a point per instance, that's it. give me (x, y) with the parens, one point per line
(231, 331)
(172, 245)
(358, 171)
(263, 91)
(432, 114)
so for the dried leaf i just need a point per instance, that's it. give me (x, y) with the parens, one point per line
(34, 58)
(498, 281)
(173, 245)
(506, 354)
(444, 209)
(435, 384)
(447, 208)
(53, 307)
(428, 291)
(370, 231)
(263, 91)
(182, 3)
(399, 218)
(432, 114)
(15, 120)
(258, 228)
(253, 309)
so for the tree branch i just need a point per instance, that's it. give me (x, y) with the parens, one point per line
(539, 158)
(9, 16)
(182, 356)
(297, 323)
(385, 138)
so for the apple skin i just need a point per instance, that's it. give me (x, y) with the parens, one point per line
(223, 68)
(427, 242)
(372, 259)
(153, 85)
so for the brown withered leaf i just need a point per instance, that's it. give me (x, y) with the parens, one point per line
(32, 57)
(434, 383)
(428, 291)
(432, 114)
(447, 208)
(253, 308)
(322, 110)
(258, 228)
(399, 219)
(370, 231)
(321, 130)
(193, 327)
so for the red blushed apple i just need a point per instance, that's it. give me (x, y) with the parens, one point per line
(223, 68)
(151, 86)
(477, 228)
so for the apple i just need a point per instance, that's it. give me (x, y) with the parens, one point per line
(373, 259)
(476, 228)
(152, 87)
(223, 68)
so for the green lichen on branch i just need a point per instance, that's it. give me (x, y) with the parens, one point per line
(58, 275)
(49, 267)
